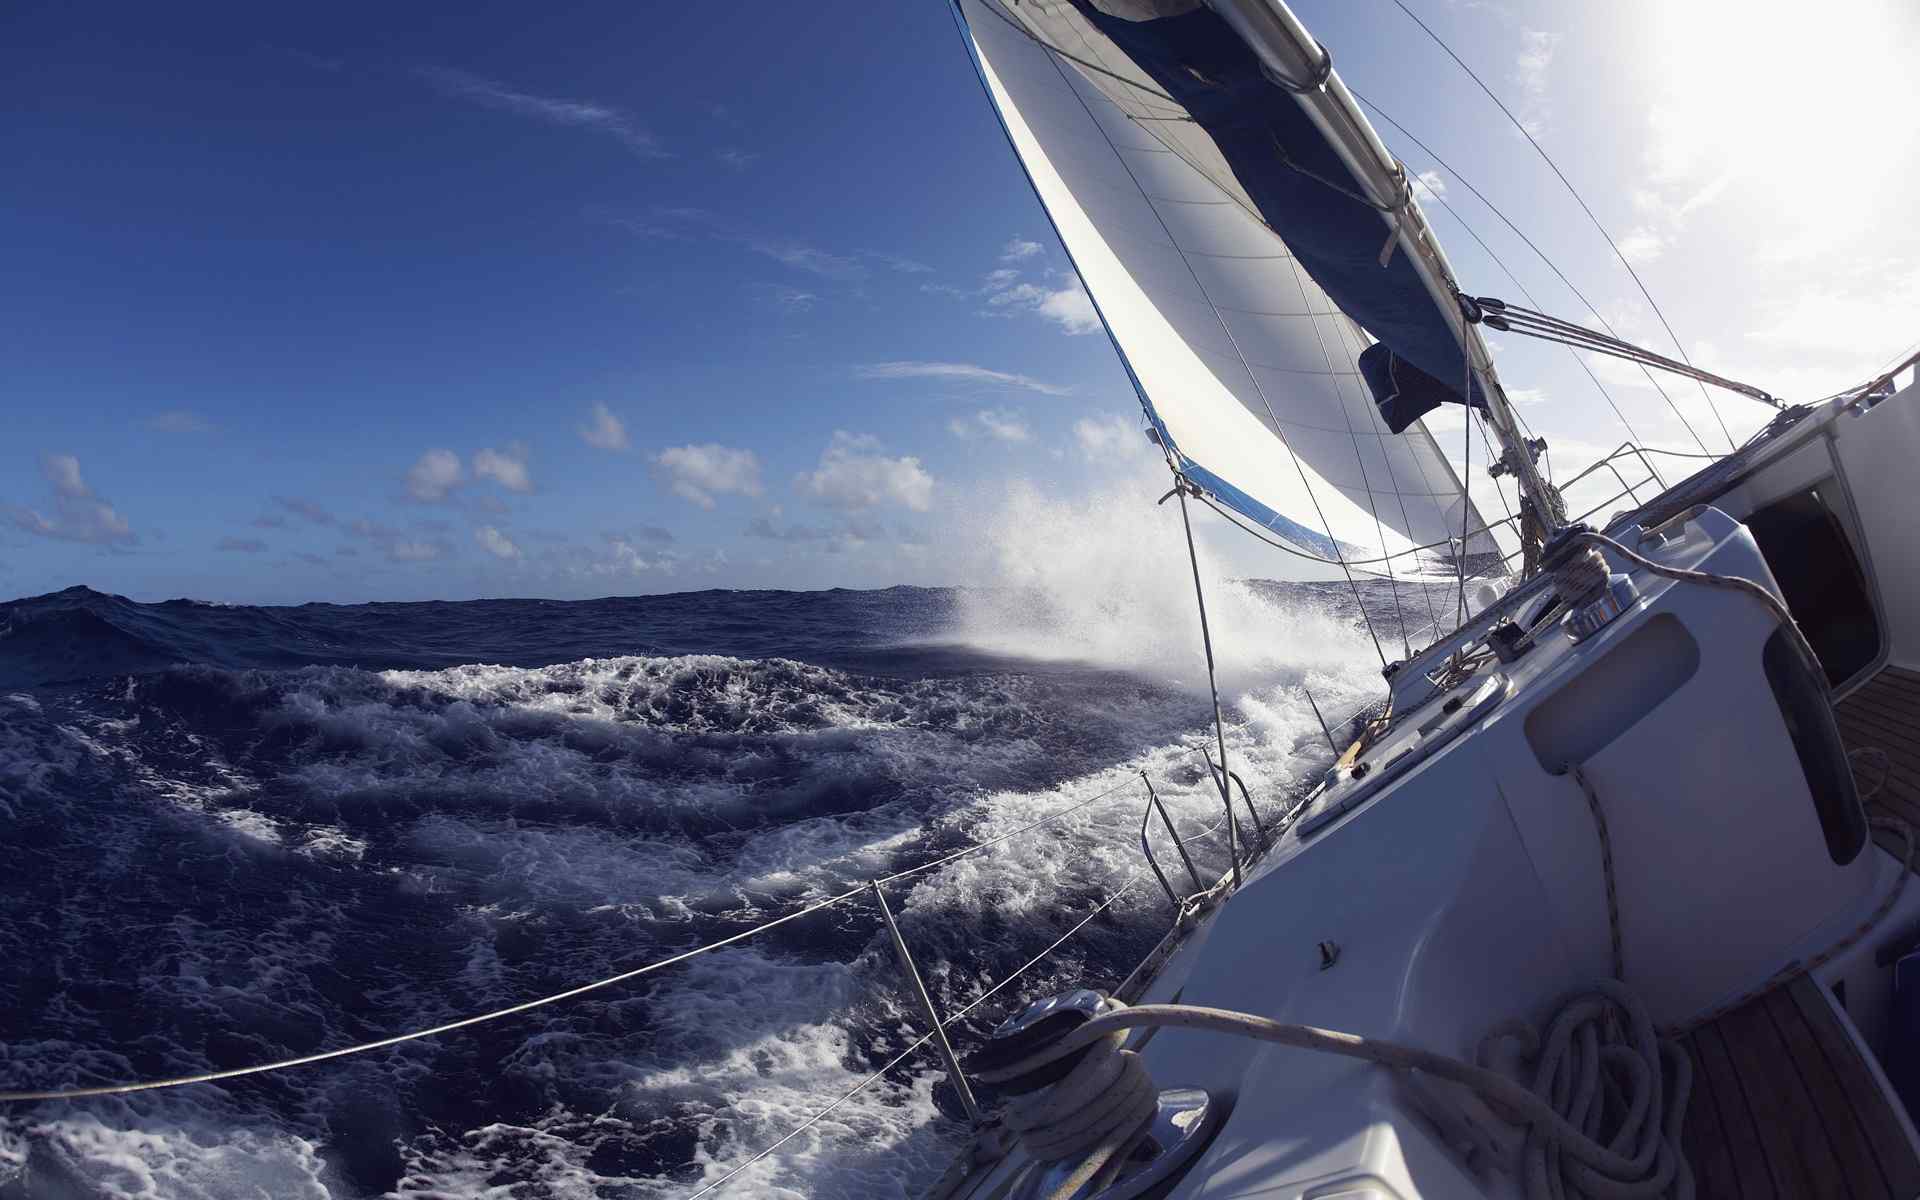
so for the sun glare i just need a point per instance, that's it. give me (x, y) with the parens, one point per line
(1804, 111)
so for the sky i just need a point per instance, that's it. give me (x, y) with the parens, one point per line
(363, 302)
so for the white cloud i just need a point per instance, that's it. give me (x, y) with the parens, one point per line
(1068, 306)
(802, 257)
(853, 475)
(1530, 71)
(967, 372)
(1018, 249)
(1642, 244)
(1431, 183)
(63, 472)
(508, 468)
(894, 262)
(786, 298)
(1858, 323)
(1536, 58)
(1072, 309)
(737, 159)
(997, 423)
(763, 527)
(701, 472)
(305, 508)
(178, 420)
(605, 430)
(625, 557)
(434, 476)
(579, 114)
(415, 551)
(78, 515)
(496, 543)
(1105, 438)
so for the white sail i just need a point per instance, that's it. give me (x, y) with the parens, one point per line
(1246, 368)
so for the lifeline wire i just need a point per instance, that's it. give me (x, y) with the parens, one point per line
(908, 1052)
(121, 1089)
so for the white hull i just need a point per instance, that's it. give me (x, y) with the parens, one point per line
(1461, 875)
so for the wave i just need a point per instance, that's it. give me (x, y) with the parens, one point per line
(261, 832)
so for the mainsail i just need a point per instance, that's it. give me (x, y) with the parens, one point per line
(1169, 162)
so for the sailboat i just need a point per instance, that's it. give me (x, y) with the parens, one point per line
(1610, 898)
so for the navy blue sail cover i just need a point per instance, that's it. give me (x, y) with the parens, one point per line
(1305, 193)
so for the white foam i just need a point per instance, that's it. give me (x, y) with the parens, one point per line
(562, 798)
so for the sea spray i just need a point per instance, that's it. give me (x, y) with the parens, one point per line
(239, 857)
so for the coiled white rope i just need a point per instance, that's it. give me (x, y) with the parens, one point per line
(1107, 1096)
(1602, 1112)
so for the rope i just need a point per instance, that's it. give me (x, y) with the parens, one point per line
(121, 1089)
(1772, 602)
(1876, 756)
(1602, 1113)
(1093, 1114)
(1606, 869)
(1901, 828)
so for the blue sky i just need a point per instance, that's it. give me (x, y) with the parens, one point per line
(379, 302)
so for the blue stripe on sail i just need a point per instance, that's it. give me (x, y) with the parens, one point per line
(1219, 488)
(1304, 192)
(1252, 509)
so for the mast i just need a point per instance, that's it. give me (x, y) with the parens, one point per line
(1300, 64)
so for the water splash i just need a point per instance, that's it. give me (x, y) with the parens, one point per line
(1104, 579)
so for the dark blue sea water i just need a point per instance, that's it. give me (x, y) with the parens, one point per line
(233, 834)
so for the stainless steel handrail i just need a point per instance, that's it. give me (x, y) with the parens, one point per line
(1258, 829)
(1146, 848)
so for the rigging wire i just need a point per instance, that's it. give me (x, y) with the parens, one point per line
(1528, 297)
(1466, 502)
(1206, 640)
(1538, 252)
(1054, 54)
(1512, 318)
(1578, 199)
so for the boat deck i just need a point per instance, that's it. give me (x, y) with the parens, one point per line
(1885, 713)
(1784, 1103)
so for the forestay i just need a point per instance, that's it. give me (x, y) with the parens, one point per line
(1248, 371)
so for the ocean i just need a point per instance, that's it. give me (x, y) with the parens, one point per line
(236, 834)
